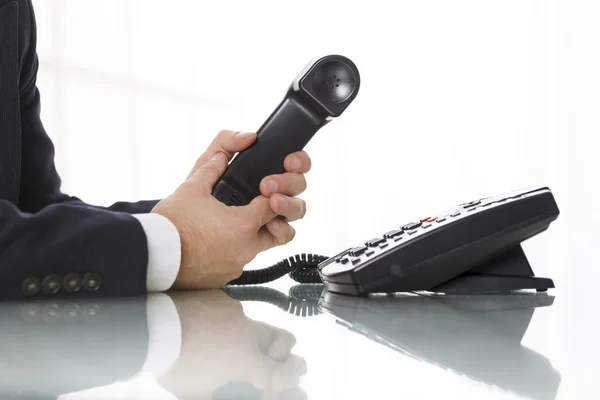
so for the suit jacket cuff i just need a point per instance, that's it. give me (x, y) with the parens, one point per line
(164, 251)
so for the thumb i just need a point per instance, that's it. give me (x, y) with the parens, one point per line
(209, 173)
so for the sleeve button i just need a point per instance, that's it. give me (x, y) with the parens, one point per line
(31, 286)
(92, 282)
(72, 283)
(51, 284)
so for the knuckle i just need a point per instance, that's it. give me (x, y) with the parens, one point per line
(199, 162)
(214, 166)
(276, 203)
(223, 134)
(210, 166)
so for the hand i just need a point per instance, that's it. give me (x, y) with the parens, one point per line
(217, 241)
(220, 345)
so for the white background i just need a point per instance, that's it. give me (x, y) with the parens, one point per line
(459, 100)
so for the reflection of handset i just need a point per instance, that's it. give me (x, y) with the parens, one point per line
(322, 91)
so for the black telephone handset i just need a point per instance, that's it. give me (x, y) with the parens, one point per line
(321, 92)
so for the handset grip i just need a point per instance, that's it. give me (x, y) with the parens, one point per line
(322, 91)
(289, 128)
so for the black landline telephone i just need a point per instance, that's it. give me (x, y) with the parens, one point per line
(474, 248)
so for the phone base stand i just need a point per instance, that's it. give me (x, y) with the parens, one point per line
(504, 273)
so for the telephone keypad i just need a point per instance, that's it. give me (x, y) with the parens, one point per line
(381, 245)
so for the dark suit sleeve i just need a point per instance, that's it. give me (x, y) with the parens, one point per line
(49, 233)
(64, 239)
(40, 182)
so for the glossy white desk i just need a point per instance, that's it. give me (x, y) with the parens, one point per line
(248, 343)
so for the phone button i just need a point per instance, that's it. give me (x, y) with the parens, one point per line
(393, 234)
(357, 251)
(412, 225)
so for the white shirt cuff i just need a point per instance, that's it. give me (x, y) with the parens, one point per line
(164, 251)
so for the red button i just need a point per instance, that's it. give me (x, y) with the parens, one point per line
(425, 219)
(429, 219)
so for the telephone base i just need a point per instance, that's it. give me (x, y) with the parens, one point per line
(507, 272)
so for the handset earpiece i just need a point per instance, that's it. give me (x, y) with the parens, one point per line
(320, 93)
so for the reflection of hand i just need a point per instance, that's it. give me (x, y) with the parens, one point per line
(221, 345)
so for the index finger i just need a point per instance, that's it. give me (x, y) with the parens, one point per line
(228, 143)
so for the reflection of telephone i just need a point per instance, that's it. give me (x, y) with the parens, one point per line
(473, 248)
(476, 336)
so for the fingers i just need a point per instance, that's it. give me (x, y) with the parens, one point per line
(209, 173)
(282, 232)
(289, 183)
(288, 207)
(259, 211)
(297, 162)
(228, 143)
(272, 231)
(276, 232)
